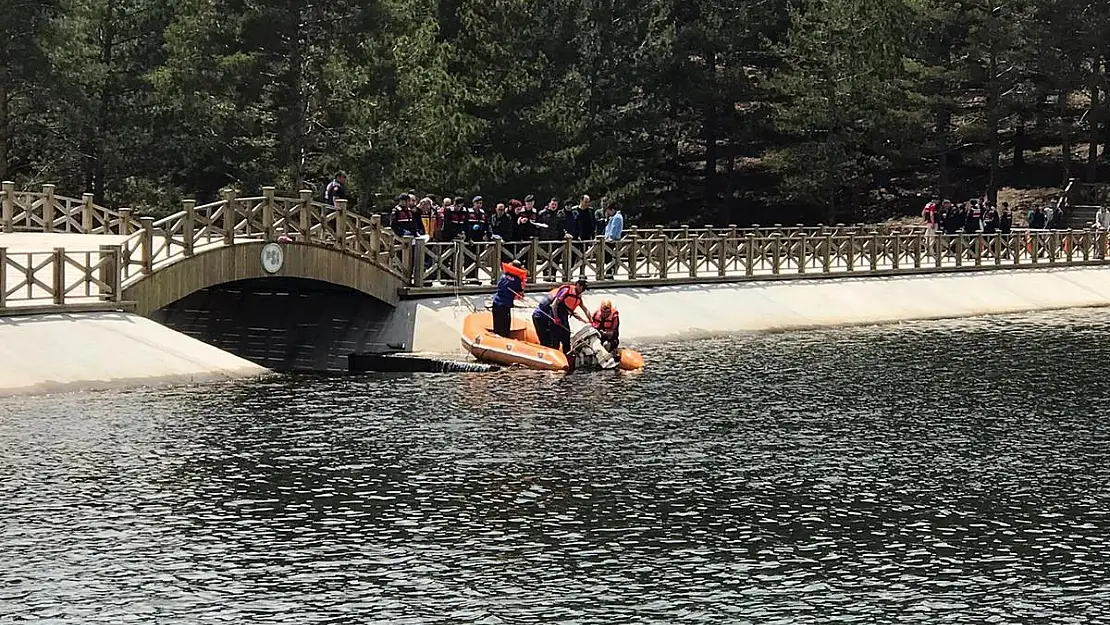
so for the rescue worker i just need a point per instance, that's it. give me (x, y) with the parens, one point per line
(607, 322)
(509, 289)
(552, 316)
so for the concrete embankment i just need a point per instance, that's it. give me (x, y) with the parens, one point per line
(90, 351)
(668, 313)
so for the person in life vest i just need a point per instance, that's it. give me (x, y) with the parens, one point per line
(509, 289)
(552, 316)
(607, 321)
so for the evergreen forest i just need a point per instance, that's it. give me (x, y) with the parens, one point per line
(719, 111)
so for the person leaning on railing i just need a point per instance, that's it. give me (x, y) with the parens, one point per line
(1102, 226)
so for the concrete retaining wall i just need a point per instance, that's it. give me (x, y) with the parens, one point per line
(88, 351)
(667, 313)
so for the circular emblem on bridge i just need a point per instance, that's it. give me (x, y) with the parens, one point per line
(272, 258)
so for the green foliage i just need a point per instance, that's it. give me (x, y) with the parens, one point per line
(691, 104)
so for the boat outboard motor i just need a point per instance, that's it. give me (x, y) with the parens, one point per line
(588, 351)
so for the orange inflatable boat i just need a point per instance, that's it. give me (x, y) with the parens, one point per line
(523, 347)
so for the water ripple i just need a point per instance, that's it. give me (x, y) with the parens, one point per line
(923, 473)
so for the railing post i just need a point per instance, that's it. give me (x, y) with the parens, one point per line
(376, 238)
(691, 251)
(776, 250)
(533, 257)
(1053, 245)
(3, 276)
(733, 243)
(749, 254)
(496, 260)
(109, 272)
(663, 261)
(633, 253)
(459, 258)
(48, 208)
(229, 216)
(406, 259)
(873, 253)
(7, 213)
(1069, 240)
(851, 256)
(419, 263)
(722, 254)
(568, 257)
(341, 225)
(188, 226)
(304, 210)
(268, 214)
(125, 222)
(803, 246)
(600, 257)
(826, 254)
(147, 243)
(59, 266)
(87, 213)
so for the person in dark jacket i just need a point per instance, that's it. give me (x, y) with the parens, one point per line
(1005, 219)
(571, 223)
(1037, 219)
(502, 224)
(405, 218)
(587, 225)
(476, 226)
(526, 219)
(990, 220)
(554, 218)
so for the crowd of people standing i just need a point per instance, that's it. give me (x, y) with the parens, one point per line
(512, 221)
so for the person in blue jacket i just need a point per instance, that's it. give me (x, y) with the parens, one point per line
(509, 289)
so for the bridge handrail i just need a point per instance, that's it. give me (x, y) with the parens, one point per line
(60, 278)
(69, 279)
(25, 211)
(655, 258)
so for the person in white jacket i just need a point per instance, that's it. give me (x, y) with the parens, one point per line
(1102, 226)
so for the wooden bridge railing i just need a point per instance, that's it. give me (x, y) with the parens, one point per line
(708, 255)
(60, 278)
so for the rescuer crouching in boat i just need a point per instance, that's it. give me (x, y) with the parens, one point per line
(552, 316)
(509, 289)
(607, 322)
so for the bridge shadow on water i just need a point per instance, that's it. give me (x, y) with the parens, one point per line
(283, 324)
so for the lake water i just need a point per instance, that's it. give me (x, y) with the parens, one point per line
(922, 473)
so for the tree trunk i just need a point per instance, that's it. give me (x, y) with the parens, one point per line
(1093, 122)
(1019, 144)
(710, 125)
(96, 171)
(5, 130)
(992, 127)
(1065, 135)
(944, 124)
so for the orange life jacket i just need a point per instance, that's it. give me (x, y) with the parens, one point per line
(606, 324)
(565, 294)
(518, 272)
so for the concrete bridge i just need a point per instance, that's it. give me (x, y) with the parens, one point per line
(293, 283)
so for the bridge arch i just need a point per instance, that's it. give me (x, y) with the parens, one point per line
(243, 261)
